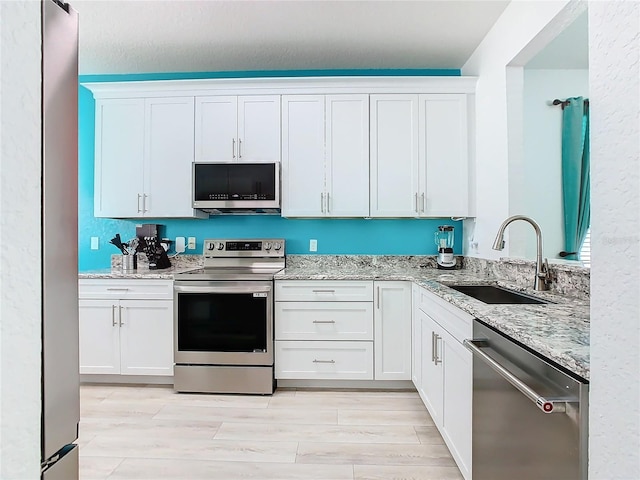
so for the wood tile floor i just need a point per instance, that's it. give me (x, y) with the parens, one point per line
(150, 432)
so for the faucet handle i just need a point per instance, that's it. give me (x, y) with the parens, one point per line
(545, 273)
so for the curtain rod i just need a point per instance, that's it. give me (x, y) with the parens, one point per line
(564, 103)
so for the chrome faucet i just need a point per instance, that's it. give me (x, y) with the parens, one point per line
(543, 276)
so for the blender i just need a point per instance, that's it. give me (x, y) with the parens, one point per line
(444, 241)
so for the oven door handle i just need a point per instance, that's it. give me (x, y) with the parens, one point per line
(222, 289)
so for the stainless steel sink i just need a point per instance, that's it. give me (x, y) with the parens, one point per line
(498, 295)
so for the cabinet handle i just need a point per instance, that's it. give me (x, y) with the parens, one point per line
(424, 206)
(323, 291)
(239, 148)
(144, 203)
(120, 315)
(378, 295)
(433, 346)
(437, 356)
(324, 321)
(117, 289)
(233, 148)
(113, 316)
(328, 209)
(139, 203)
(322, 203)
(323, 361)
(416, 202)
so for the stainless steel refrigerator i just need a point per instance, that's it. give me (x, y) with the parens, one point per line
(60, 377)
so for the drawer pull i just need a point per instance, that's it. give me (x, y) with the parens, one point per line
(117, 289)
(324, 321)
(323, 291)
(323, 361)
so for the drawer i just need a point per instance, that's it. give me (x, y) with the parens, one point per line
(324, 291)
(324, 360)
(324, 320)
(116, 288)
(455, 321)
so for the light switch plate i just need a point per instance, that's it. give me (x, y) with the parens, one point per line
(313, 245)
(95, 243)
(192, 243)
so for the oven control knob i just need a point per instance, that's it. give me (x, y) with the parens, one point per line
(210, 246)
(221, 246)
(267, 246)
(277, 246)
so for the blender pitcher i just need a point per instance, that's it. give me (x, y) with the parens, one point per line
(444, 238)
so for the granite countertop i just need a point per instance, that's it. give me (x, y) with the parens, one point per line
(140, 273)
(559, 331)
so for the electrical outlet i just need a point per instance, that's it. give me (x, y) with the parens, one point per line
(95, 242)
(191, 244)
(313, 245)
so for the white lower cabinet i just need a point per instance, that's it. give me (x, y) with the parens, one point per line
(347, 330)
(324, 330)
(123, 333)
(392, 327)
(444, 380)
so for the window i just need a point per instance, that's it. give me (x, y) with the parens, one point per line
(585, 250)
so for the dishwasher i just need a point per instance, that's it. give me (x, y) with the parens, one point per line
(530, 418)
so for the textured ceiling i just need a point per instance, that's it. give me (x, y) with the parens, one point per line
(136, 36)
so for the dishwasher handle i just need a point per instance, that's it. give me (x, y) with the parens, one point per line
(547, 405)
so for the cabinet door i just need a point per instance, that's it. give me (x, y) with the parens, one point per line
(259, 128)
(444, 183)
(347, 155)
(457, 401)
(431, 368)
(119, 154)
(303, 156)
(168, 157)
(216, 125)
(99, 336)
(416, 340)
(146, 337)
(392, 330)
(394, 155)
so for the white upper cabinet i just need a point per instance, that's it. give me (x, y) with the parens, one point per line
(119, 156)
(419, 155)
(394, 155)
(237, 128)
(347, 155)
(303, 155)
(143, 157)
(168, 159)
(325, 156)
(444, 157)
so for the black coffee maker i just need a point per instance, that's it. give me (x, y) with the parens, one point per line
(151, 244)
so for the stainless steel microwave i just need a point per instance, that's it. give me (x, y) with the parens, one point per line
(229, 187)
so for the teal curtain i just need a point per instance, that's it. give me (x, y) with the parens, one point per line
(575, 173)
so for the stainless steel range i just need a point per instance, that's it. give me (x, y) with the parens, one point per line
(223, 318)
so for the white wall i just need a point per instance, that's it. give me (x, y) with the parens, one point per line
(541, 193)
(517, 30)
(20, 260)
(614, 73)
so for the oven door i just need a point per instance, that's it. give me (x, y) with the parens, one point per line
(223, 323)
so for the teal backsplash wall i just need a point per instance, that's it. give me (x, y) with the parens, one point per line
(334, 236)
